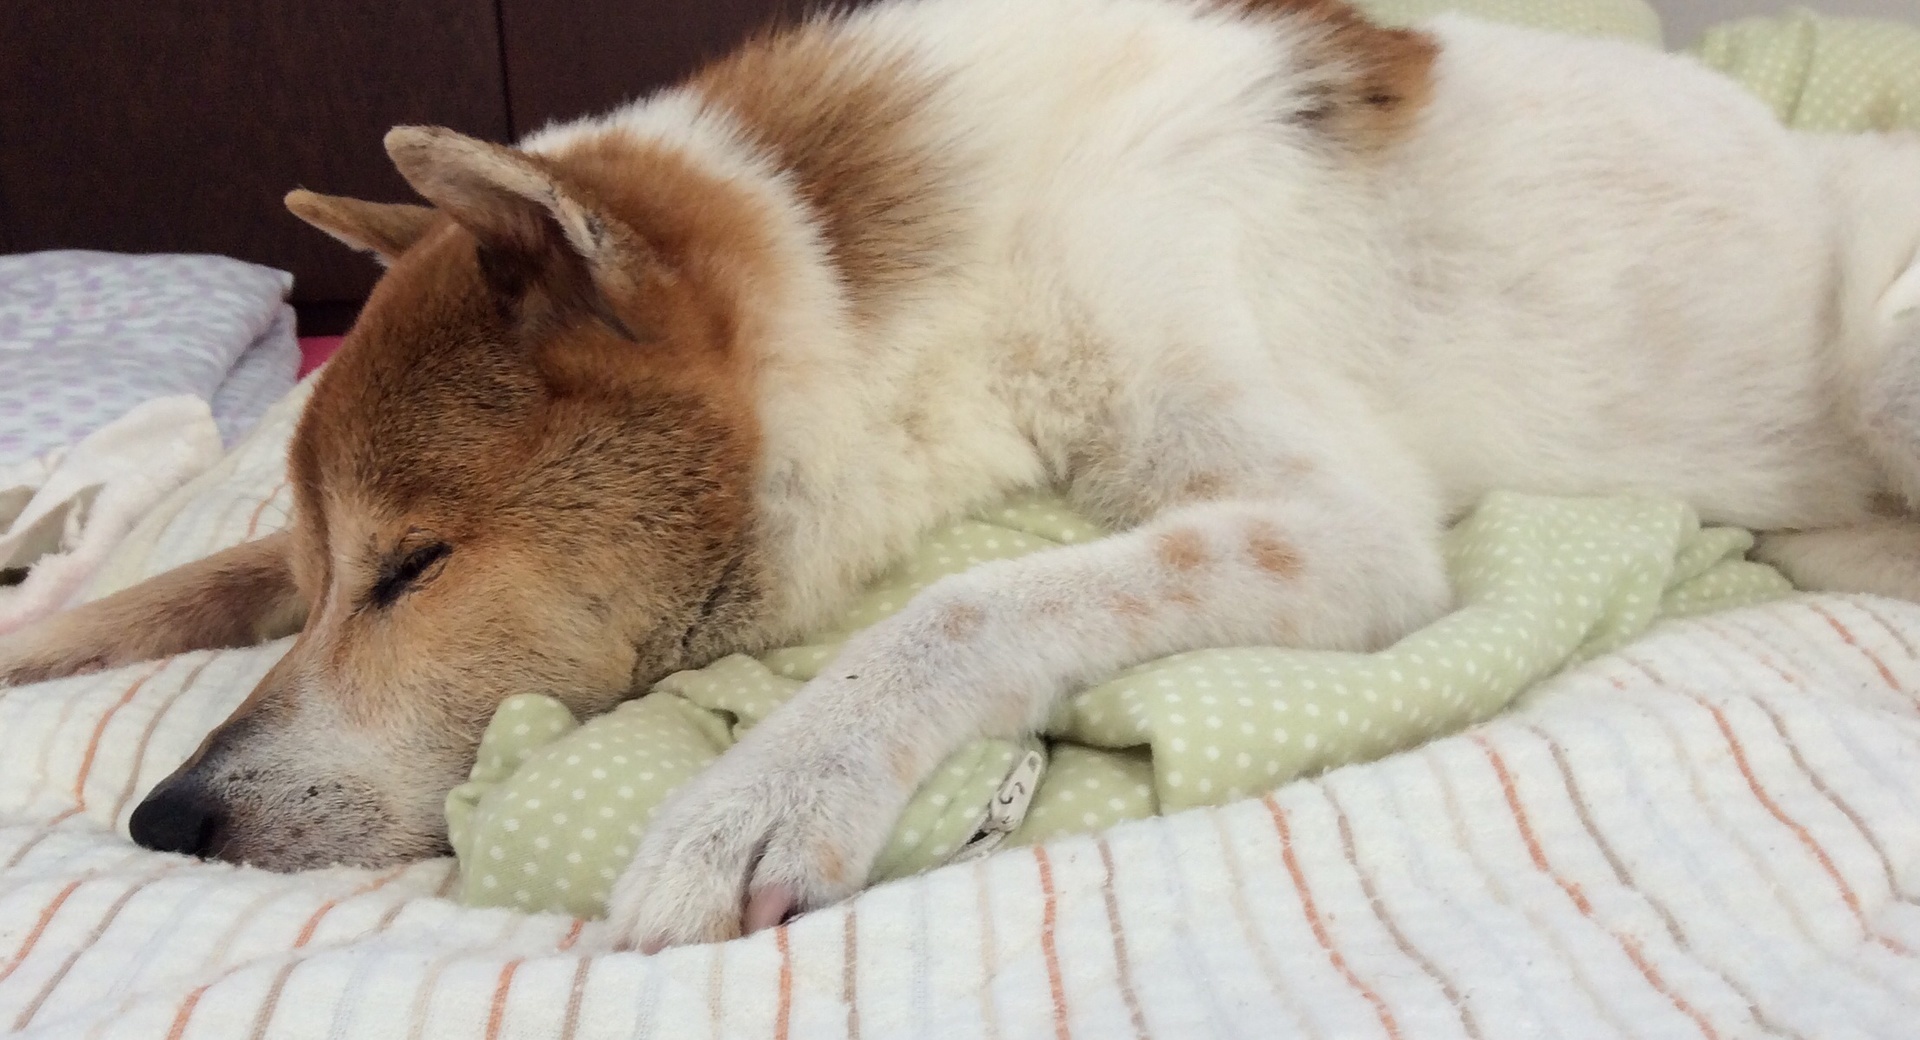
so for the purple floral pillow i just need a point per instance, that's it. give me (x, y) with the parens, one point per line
(85, 336)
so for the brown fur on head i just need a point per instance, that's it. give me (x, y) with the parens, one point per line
(1376, 78)
(527, 471)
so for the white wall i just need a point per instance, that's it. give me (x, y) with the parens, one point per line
(1684, 19)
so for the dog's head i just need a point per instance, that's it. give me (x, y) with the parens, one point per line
(528, 470)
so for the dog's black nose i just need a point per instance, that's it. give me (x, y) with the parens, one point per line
(176, 818)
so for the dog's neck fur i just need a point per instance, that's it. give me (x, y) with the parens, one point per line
(841, 492)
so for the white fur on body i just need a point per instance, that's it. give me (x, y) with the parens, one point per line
(1588, 268)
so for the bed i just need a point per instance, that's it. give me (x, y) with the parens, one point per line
(1712, 830)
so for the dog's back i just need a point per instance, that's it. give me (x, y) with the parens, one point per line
(1624, 268)
(1525, 261)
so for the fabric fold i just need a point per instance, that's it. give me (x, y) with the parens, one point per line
(76, 504)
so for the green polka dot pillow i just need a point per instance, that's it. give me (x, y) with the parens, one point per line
(1829, 74)
(555, 807)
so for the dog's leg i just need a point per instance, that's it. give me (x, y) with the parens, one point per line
(238, 597)
(1879, 556)
(793, 816)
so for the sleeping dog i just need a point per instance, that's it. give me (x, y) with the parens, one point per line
(1271, 289)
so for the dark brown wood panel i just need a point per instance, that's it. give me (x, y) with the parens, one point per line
(586, 56)
(141, 126)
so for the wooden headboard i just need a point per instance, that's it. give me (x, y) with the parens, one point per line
(177, 127)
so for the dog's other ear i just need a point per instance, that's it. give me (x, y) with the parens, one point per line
(534, 229)
(384, 229)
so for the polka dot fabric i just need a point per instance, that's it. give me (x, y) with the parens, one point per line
(554, 807)
(1628, 19)
(556, 836)
(1827, 74)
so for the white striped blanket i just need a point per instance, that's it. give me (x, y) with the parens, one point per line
(1715, 833)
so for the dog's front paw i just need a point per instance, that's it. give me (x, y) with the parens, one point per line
(37, 654)
(779, 825)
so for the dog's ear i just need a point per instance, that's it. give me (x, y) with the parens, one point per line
(535, 231)
(382, 228)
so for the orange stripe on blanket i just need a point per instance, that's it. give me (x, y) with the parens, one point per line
(1892, 630)
(313, 922)
(1319, 927)
(46, 830)
(1886, 674)
(180, 1017)
(1048, 917)
(100, 730)
(264, 1016)
(253, 522)
(39, 928)
(46, 748)
(1833, 797)
(576, 991)
(576, 994)
(1123, 968)
(783, 1013)
(428, 987)
(1237, 898)
(1805, 837)
(1628, 944)
(497, 1010)
(146, 736)
(1766, 801)
(850, 969)
(1740, 646)
(716, 989)
(80, 950)
(1349, 851)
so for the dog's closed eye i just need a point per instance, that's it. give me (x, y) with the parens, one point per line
(404, 569)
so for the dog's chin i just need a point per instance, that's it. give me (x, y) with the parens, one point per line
(297, 852)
